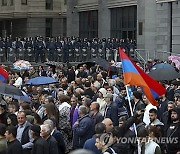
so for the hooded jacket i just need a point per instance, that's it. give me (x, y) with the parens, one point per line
(173, 132)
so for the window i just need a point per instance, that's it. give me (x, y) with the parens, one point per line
(65, 2)
(11, 2)
(48, 27)
(4, 2)
(24, 2)
(123, 22)
(88, 24)
(49, 4)
(140, 28)
(64, 26)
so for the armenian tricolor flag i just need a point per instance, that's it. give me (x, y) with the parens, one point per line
(3, 75)
(133, 75)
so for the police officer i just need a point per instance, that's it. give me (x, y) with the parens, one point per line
(100, 50)
(59, 50)
(94, 48)
(66, 50)
(19, 49)
(51, 47)
(77, 49)
(115, 45)
(2, 50)
(28, 45)
(39, 49)
(108, 49)
(84, 50)
(9, 52)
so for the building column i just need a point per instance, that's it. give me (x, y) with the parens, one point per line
(4, 30)
(104, 20)
(146, 31)
(72, 19)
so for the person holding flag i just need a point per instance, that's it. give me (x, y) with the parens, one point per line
(135, 76)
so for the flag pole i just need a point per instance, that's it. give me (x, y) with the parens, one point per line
(130, 106)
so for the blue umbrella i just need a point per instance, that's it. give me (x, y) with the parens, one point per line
(41, 80)
(162, 65)
(25, 97)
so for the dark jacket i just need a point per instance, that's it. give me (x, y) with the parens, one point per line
(90, 145)
(97, 117)
(3, 118)
(111, 112)
(139, 106)
(40, 146)
(83, 131)
(3, 145)
(14, 147)
(53, 145)
(162, 107)
(122, 148)
(173, 133)
(89, 92)
(61, 144)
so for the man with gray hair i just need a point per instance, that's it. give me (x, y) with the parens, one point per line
(46, 134)
(83, 129)
(57, 135)
(111, 110)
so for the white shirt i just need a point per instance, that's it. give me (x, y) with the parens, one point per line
(146, 119)
(18, 82)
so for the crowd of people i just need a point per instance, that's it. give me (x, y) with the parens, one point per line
(87, 109)
(62, 49)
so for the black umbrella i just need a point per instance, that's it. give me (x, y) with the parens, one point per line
(9, 90)
(162, 74)
(88, 63)
(101, 62)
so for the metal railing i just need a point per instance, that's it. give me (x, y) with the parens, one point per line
(152, 54)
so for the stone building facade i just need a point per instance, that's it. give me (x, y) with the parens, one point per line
(32, 17)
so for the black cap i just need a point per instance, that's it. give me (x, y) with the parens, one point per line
(36, 129)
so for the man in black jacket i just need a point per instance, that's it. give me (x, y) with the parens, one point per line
(173, 131)
(83, 129)
(14, 146)
(57, 135)
(40, 145)
(111, 110)
(52, 143)
(3, 112)
(94, 113)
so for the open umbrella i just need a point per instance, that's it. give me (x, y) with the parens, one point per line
(24, 97)
(162, 65)
(161, 74)
(9, 90)
(101, 62)
(41, 80)
(88, 63)
(22, 65)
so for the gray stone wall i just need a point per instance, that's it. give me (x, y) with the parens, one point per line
(163, 27)
(36, 26)
(147, 15)
(176, 27)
